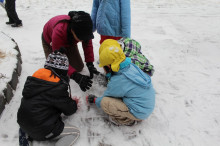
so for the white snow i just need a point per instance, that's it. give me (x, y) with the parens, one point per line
(181, 38)
(8, 59)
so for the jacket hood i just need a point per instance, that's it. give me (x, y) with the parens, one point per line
(135, 74)
(34, 86)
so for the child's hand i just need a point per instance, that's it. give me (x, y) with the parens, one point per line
(76, 99)
(91, 99)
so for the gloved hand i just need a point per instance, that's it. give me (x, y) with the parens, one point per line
(91, 99)
(84, 81)
(92, 69)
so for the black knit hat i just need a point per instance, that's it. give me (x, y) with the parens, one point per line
(81, 24)
(58, 61)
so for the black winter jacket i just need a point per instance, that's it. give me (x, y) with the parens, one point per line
(40, 111)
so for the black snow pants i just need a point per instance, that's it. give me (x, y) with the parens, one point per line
(11, 11)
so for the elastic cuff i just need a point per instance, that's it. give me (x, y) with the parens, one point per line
(94, 100)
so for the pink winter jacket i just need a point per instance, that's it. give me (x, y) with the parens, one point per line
(57, 37)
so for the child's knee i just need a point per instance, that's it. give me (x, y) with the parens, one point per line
(106, 104)
(111, 106)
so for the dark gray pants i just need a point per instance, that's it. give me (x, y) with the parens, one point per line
(11, 11)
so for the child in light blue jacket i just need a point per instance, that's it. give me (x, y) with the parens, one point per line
(130, 95)
(111, 18)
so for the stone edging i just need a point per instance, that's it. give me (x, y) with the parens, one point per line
(11, 85)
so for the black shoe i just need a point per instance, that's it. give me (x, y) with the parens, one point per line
(16, 25)
(23, 138)
(9, 23)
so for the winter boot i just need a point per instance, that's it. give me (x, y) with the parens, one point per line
(24, 140)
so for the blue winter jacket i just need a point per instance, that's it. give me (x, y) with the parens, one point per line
(134, 87)
(112, 17)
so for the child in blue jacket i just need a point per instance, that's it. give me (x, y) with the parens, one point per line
(130, 95)
(111, 18)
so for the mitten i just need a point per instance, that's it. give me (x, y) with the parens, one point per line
(91, 98)
(92, 69)
(84, 81)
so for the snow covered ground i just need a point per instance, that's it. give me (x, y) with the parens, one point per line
(8, 55)
(181, 38)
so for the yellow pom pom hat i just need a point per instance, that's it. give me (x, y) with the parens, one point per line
(111, 53)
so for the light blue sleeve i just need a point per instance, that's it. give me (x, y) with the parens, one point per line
(95, 7)
(114, 89)
(98, 101)
(126, 18)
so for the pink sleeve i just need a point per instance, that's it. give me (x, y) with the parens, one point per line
(88, 51)
(71, 70)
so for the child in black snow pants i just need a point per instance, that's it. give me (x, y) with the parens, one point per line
(45, 98)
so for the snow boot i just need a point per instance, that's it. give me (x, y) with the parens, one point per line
(24, 140)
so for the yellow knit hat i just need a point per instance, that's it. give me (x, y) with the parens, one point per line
(110, 53)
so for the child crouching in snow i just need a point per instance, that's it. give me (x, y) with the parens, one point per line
(45, 98)
(132, 49)
(130, 96)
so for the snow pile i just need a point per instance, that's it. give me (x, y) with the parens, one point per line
(8, 59)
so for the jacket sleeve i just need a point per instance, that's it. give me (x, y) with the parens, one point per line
(95, 7)
(114, 89)
(125, 18)
(67, 106)
(88, 51)
(71, 70)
